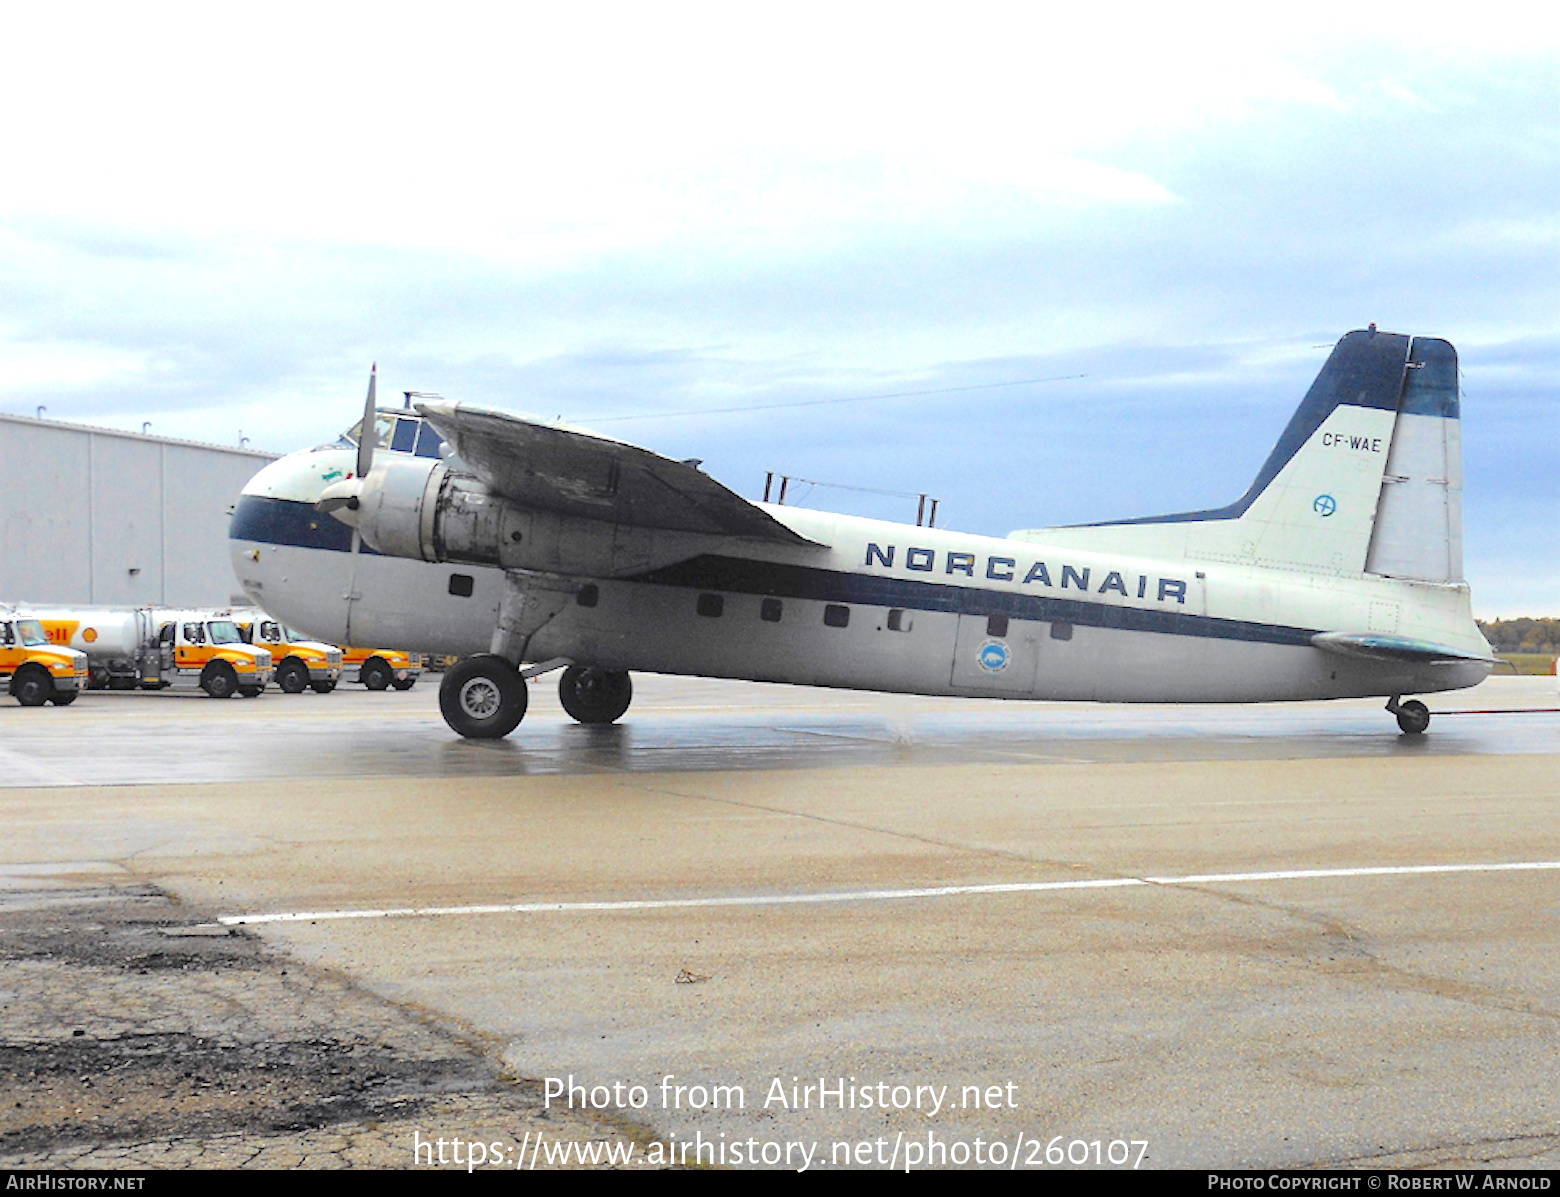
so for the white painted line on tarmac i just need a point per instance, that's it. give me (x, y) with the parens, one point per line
(874, 895)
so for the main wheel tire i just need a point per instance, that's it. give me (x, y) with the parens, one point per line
(404, 683)
(218, 680)
(292, 677)
(322, 687)
(1413, 717)
(376, 674)
(483, 697)
(63, 698)
(594, 695)
(32, 686)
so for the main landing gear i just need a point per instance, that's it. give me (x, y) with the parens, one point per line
(1412, 716)
(484, 697)
(594, 695)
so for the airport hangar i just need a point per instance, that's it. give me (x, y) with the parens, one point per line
(96, 516)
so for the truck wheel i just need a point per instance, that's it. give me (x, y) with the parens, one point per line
(63, 698)
(322, 687)
(292, 677)
(594, 695)
(219, 681)
(376, 674)
(404, 683)
(32, 686)
(483, 697)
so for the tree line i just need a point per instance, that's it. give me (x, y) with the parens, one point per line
(1522, 635)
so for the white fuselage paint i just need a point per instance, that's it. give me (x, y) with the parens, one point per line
(656, 626)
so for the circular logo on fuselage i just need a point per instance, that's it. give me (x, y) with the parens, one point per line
(1324, 505)
(993, 656)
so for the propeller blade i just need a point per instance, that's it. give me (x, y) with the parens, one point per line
(365, 453)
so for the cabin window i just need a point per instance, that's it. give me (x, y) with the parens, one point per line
(996, 625)
(712, 605)
(899, 620)
(770, 610)
(836, 616)
(588, 596)
(194, 633)
(1061, 631)
(462, 585)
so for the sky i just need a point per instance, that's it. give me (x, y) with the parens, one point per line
(1051, 267)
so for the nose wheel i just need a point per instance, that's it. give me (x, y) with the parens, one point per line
(1412, 716)
(483, 697)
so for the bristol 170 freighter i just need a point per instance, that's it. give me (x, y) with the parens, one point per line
(522, 546)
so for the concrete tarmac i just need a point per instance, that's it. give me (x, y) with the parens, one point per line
(1211, 936)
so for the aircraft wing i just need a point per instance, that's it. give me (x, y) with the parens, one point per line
(1375, 646)
(552, 467)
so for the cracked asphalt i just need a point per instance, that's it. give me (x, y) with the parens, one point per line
(1298, 1005)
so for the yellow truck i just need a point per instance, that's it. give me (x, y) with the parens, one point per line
(381, 668)
(35, 671)
(156, 647)
(300, 663)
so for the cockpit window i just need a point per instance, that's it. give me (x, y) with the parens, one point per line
(405, 439)
(383, 426)
(429, 442)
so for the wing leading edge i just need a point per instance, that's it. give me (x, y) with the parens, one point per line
(569, 470)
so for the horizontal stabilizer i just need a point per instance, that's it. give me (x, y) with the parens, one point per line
(1373, 646)
(551, 467)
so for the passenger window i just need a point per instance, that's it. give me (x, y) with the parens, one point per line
(405, 439)
(899, 620)
(1061, 631)
(836, 616)
(770, 610)
(996, 625)
(711, 605)
(588, 596)
(461, 585)
(194, 634)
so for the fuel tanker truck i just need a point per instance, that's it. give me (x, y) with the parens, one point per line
(34, 671)
(156, 647)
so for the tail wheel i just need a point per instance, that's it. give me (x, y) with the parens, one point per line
(594, 695)
(322, 687)
(1413, 717)
(292, 677)
(32, 686)
(483, 697)
(219, 681)
(376, 674)
(404, 683)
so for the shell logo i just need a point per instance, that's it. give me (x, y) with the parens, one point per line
(90, 635)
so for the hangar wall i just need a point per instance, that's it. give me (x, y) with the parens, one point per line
(93, 515)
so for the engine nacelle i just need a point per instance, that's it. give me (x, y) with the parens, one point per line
(417, 508)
